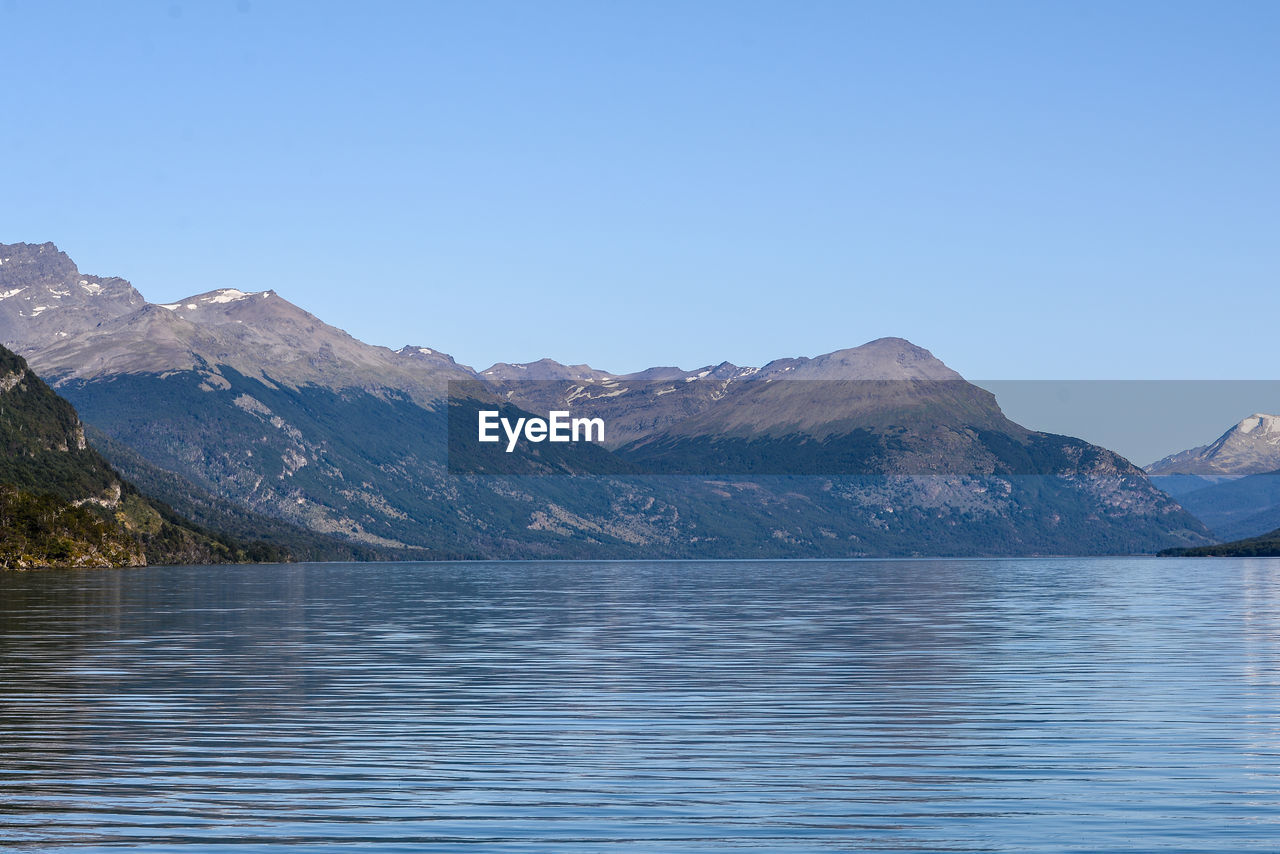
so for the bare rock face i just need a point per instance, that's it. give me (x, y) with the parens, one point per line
(1250, 447)
(71, 326)
(44, 298)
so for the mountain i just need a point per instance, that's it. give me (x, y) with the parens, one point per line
(885, 408)
(44, 298)
(228, 518)
(1250, 447)
(61, 504)
(1265, 545)
(257, 335)
(874, 450)
(1230, 484)
(797, 397)
(1237, 507)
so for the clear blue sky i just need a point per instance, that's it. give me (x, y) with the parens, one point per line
(1029, 189)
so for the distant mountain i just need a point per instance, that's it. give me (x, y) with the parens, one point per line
(1235, 508)
(885, 408)
(1231, 484)
(875, 450)
(62, 505)
(1250, 447)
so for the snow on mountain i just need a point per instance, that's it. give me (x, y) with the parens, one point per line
(1250, 447)
(45, 298)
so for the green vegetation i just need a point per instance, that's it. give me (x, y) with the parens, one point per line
(1267, 545)
(41, 530)
(62, 505)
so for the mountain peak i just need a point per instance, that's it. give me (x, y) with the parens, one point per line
(881, 359)
(228, 306)
(1260, 422)
(426, 355)
(219, 296)
(1252, 446)
(44, 297)
(543, 369)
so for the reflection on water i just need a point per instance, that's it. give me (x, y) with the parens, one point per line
(1053, 705)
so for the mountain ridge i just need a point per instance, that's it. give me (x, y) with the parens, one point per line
(257, 402)
(1251, 446)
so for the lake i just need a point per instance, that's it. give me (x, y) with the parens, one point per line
(1095, 705)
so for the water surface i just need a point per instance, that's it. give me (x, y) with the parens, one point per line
(998, 705)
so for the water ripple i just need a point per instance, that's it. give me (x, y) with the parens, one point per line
(1011, 705)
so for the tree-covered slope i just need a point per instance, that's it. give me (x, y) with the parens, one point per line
(61, 504)
(1267, 545)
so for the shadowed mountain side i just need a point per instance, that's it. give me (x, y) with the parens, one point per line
(467, 455)
(1238, 508)
(373, 470)
(230, 518)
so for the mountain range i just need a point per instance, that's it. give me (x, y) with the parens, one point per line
(247, 408)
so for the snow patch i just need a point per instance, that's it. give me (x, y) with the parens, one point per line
(91, 288)
(1268, 423)
(12, 293)
(226, 295)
